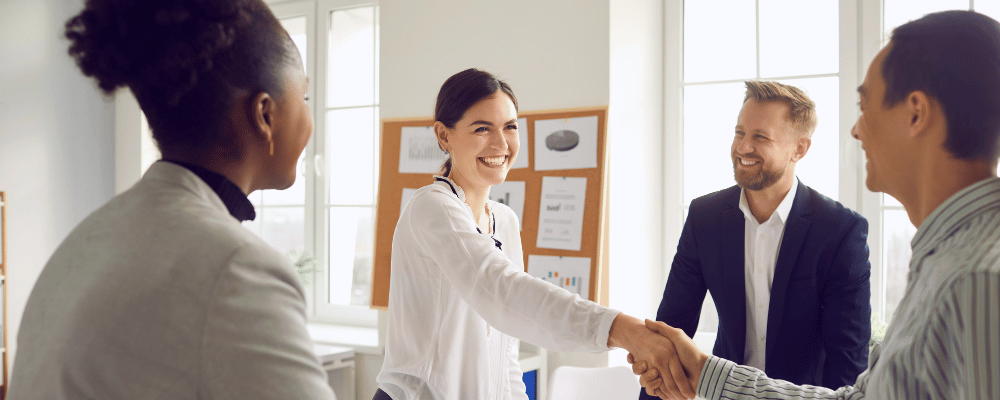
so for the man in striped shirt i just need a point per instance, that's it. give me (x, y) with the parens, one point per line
(929, 125)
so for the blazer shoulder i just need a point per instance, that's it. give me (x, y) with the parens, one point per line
(828, 210)
(728, 197)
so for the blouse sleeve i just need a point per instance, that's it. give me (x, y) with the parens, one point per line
(498, 289)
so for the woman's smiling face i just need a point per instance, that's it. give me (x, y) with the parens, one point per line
(484, 143)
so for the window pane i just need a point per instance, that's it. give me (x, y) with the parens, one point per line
(709, 321)
(898, 12)
(255, 198)
(254, 226)
(350, 153)
(283, 227)
(294, 195)
(352, 236)
(798, 37)
(989, 7)
(889, 201)
(351, 62)
(719, 40)
(710, 113)
(897, 231)
(821, 166)
(296, 27)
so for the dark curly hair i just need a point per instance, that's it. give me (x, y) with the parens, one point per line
(185, 60)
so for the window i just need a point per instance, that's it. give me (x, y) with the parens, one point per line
(329, 212)
(350, 147)
(897, 230)
(722, 47)
(800, 44)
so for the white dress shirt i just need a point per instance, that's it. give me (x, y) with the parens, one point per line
(760, 253)
(454, 298)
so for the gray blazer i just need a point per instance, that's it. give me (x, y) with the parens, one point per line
(161, 294)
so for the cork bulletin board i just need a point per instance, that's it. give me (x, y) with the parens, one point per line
(592, 242)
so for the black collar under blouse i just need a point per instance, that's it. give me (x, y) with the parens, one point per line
(495, 241)
(232, 196)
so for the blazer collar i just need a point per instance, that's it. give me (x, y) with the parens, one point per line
(788, 255)
(176, 175)
(784, 208)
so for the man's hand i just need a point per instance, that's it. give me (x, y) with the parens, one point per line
(692, 359)
(657, 351)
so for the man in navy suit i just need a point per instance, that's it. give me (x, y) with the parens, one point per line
(787, 267)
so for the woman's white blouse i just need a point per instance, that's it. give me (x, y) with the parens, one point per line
(457, 303)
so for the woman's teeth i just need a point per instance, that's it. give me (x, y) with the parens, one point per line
(493, 161)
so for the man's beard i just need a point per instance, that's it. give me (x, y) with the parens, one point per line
(756, 181)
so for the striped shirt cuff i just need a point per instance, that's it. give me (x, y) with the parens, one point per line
(713, 377)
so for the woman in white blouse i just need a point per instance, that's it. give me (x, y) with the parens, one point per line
(458, 293)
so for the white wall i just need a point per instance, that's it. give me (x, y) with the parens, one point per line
(554, 53)
(635, 131)
(56, 141)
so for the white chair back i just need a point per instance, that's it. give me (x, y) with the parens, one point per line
(574, 383)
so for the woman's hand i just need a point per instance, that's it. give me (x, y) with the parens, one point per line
(655, 350)
(690, 356)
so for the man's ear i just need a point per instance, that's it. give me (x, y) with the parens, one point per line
(262, 116)
(441, 132)
(801, 148)
(919, 108)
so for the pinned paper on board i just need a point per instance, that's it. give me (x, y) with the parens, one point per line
(511, 194)
(407, 195)
(566, 143)
(560, 216)
(522, 155)
(419, 152)
(570, 273)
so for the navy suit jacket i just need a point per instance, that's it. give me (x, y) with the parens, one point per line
(819, 317)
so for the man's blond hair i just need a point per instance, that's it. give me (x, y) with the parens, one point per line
(801, 109)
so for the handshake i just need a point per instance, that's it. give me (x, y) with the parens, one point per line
(666, 359)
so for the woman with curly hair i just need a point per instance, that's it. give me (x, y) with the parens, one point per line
(161, 293)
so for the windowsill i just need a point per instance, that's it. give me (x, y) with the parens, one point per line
(363, 340)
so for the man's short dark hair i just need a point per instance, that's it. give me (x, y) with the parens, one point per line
(954, 57)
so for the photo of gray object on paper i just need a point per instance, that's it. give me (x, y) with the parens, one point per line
(566, 143)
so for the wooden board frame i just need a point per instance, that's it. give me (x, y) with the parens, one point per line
(3, 281)
(592, 244)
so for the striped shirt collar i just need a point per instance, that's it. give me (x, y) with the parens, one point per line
(953, 213)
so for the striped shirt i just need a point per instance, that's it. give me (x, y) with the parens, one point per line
(943, 341)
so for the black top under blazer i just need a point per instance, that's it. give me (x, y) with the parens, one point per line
(819, 317)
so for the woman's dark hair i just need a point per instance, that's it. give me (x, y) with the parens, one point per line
(954, 57)
(183, 59)
(460, 92)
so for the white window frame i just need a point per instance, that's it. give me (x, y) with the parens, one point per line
(316, 236)
(323, 311)
(860, 28)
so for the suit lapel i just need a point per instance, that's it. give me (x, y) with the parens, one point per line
(791, 246)
(732, 243)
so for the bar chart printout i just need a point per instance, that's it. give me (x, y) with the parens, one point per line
(419, 152)
(569, 273)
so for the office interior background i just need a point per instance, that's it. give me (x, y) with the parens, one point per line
(670, 71)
